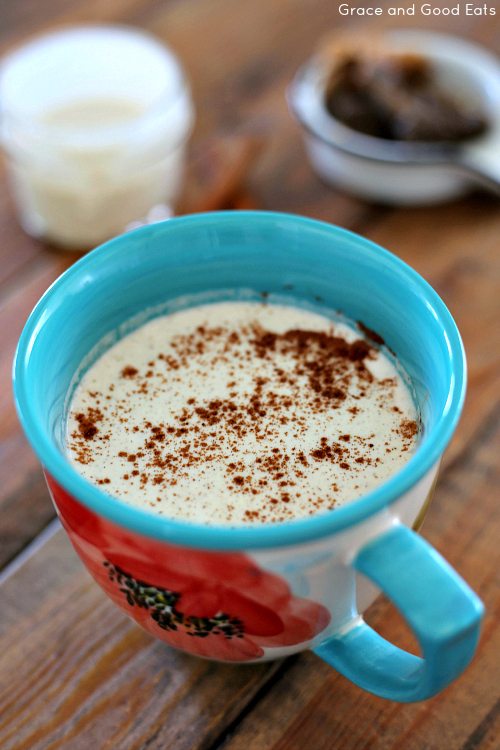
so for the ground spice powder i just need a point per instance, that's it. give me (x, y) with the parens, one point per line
(316, 369)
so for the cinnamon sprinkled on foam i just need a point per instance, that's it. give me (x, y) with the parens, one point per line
(241, 412)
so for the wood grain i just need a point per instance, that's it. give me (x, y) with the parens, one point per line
(24, 504)
(74, 672)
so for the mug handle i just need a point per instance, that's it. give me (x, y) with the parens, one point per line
(441, 609)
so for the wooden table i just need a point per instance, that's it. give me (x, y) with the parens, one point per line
(74, 671)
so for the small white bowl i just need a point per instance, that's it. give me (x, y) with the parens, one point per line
(397, 172)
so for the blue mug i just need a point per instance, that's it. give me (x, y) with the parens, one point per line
(284, 587)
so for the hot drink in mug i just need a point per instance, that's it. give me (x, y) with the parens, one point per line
(226, 453)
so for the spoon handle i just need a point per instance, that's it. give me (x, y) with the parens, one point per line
(482, 164)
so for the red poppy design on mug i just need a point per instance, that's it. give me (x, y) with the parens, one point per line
(220, 605)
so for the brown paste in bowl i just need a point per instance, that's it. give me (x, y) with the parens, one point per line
(397, 97)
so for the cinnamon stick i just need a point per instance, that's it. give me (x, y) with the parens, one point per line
(216, 174)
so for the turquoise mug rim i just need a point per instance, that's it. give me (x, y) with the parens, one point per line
(254, 536)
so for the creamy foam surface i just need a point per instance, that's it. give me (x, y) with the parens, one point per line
(241, 412)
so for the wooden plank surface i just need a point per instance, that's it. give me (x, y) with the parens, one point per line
(243, 67)
(81, 674)
(74, 672)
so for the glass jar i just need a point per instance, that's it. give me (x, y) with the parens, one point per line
(94, 122)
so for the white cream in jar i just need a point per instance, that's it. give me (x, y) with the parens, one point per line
(94, 122)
